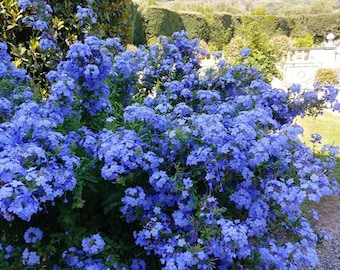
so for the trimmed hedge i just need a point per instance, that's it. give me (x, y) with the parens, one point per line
(161, 22)
(164, 22)
(221, 30)
(268, 24)
(321, 24)
(155, 21)
(196, 25)
(137, 25)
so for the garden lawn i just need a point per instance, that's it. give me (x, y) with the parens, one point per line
(328, 126)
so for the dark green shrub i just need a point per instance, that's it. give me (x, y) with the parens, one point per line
(322, 24)
(196, 25)
(283, 27)
(221, 30)
(137, 25)
(164, 22)
(161, 22)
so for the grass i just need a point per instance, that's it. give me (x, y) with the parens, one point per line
(328, 126)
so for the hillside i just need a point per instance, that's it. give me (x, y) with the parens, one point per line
(281, 7)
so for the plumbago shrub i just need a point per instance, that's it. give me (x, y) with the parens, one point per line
(140, 160)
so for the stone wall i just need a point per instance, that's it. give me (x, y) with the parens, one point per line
(301, 64)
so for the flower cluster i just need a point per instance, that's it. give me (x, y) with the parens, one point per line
(93, 244)
(78, 83)
(33, 235)
(230, 148)
(12, 83)
(8, 69)
(38, 14)
(84, 14)
(36, 164)
(143, 72)
(30, 258)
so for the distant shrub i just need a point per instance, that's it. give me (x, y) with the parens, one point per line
(221, 30)
(263, 54)
(328, 76)
(320, 24)
(304, 42)
(281, 45)
(160, 22)
(196, 25)
(164, 22)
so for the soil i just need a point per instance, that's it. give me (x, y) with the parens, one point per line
(329, 214)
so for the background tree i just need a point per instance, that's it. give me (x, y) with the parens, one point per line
(321, 6)
(259, 11)
(263, 53)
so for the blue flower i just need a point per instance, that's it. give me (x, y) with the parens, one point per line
(336, 106)
(40, 25)
(86, 14)
(30, 258)
(47, 43)
(3, 70)
(24, 4)
(32, 235)
(316, 138)
(245, 52)
(93, 245)
(9, 249)
(138, 264)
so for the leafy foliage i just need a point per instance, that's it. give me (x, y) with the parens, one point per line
(263, 54)
(38, 32)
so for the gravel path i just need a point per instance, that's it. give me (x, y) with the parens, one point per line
(329, 220)
(329, 254)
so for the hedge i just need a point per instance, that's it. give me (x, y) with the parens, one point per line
(164, 22)
(161, 22)
(196, 25)
(321, 24)
(221, 30)
(155, 21)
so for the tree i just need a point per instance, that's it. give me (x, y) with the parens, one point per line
(263, 54)
(321, 6)
(259, 11)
